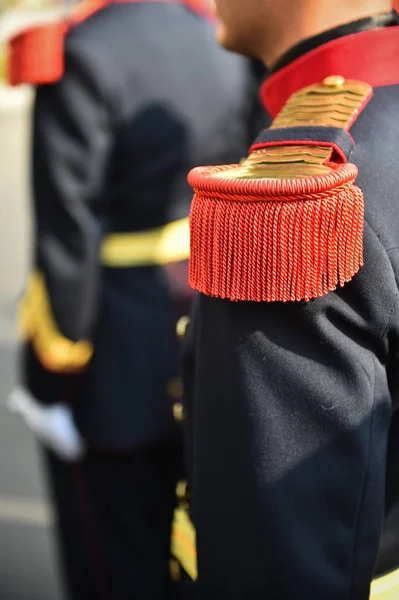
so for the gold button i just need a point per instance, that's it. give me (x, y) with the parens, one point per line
(334, 81)
(175, 570)
(181, 327)
(182, 490)
(175, 388)
(178, 412)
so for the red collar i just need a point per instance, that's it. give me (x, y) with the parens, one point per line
(370, 56)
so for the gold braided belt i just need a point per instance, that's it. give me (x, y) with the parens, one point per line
(161, 246)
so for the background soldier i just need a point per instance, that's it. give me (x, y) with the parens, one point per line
(291, 362)
(130, 97)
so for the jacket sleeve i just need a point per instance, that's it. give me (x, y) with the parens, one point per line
(71, 141)
(289, 408)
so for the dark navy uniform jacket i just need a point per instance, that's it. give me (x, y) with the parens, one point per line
(291, 407)
(147, 94)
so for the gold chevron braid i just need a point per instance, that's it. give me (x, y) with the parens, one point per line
(313, 155)
(333, 103)
(324, 104)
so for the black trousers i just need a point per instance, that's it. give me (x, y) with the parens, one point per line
(114, 515)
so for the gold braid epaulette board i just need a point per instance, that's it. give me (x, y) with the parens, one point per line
(301, 195)
(284, 225)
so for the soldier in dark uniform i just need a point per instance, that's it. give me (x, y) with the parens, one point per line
(136, 94)
(291, 356)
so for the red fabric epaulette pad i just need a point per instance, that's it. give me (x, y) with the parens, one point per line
(36, 56)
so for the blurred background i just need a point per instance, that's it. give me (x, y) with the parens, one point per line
(27, 569)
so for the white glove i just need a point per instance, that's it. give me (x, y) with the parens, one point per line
(53, 425)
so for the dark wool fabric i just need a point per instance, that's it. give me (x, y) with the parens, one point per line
(292, 416)
(114, 514)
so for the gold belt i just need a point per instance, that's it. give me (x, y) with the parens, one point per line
(167, 244)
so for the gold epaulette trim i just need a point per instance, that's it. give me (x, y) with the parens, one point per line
(36, 323)
(334, 103)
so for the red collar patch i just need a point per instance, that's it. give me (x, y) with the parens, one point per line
(369, 56)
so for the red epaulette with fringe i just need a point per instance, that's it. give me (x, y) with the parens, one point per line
(36, 55)
(287, 223)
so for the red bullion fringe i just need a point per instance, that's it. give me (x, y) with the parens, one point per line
(270, 240)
